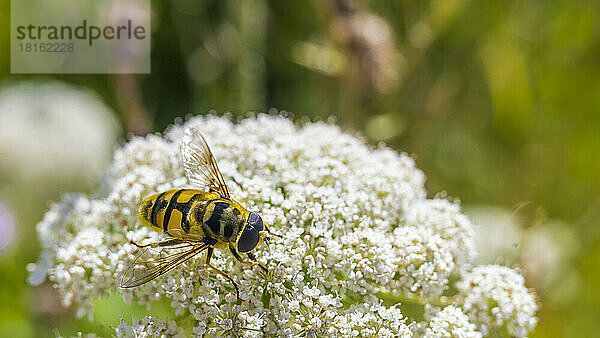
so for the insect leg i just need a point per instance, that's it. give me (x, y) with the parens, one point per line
(270, 233)
(209, 254)
(241, 260)
(253, 258)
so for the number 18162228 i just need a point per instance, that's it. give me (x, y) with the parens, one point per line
(47, 47)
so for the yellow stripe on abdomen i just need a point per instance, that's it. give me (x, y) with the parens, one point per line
(160, 217)
(186, 195)
(175, 220)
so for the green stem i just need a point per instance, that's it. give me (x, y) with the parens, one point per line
(414, 299)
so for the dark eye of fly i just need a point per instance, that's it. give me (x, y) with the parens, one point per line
(251, 234)
(255, 221)
(248, 240)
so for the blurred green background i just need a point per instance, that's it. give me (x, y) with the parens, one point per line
(498, 102)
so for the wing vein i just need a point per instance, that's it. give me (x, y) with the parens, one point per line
(199, 164)
(141, 271)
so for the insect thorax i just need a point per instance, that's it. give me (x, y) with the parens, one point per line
(223, 219)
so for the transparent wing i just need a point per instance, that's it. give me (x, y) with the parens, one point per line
(184, 236)
(200, 165)
(152, 262)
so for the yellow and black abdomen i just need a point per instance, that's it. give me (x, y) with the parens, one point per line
(175, 210)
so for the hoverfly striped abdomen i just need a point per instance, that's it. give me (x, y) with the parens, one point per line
(175, 210)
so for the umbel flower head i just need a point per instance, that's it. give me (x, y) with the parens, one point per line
(357, 230)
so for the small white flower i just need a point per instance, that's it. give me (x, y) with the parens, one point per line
(226, 324)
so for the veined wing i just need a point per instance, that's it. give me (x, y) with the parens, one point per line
(148, 266)
(184, 236)
(200, 165)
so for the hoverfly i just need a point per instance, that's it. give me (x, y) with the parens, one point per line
(194, 220)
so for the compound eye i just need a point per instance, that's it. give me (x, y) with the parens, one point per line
(255, 221)
(248, 240)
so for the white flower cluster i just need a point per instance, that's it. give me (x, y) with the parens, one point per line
(77, 252)
(355, 222)
(40, 120)
(449, 322)
(495, 297)
(149, 326)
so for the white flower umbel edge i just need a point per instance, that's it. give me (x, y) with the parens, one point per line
(355, 222)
